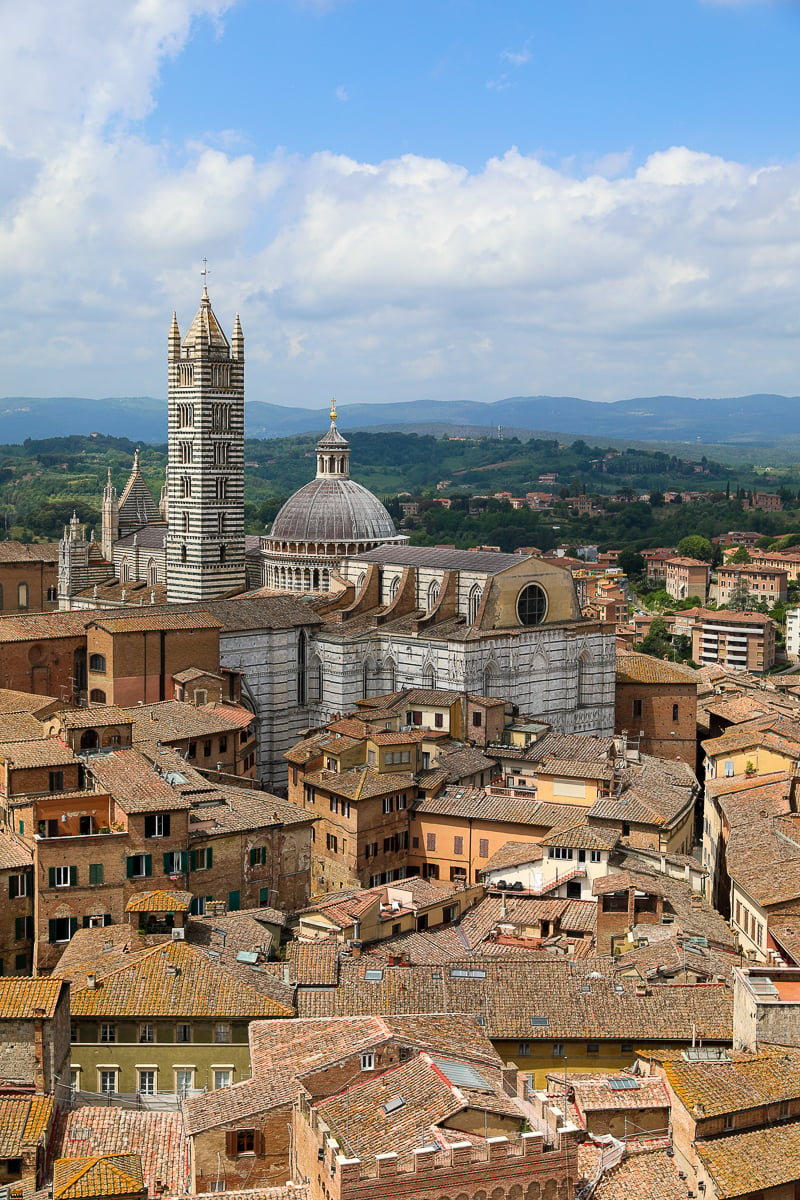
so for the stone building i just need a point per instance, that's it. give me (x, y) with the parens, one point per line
(656, 703)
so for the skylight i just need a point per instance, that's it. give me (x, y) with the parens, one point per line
(394, 1104)
(461, 1074)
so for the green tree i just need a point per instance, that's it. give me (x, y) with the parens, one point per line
(632, 563)
(656, 499)
(741, 556)
(696, 546)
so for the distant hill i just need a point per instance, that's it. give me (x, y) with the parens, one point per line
(743, 420)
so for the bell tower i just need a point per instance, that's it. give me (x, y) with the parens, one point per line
(205, 471)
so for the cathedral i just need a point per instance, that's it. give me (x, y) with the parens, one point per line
(332, 604)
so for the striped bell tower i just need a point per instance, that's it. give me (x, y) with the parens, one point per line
(205, 471)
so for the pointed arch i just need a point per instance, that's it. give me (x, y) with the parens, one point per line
(394, 587)
(492, 679)
(152, 572)
(302, 656)
(429, 677)
(474, 603)
(433, 594)
(583, 688)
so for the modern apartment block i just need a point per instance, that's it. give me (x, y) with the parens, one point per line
(744, 641)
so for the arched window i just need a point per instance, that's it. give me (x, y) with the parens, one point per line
(52, 594)
(360, 581)
(316, 681)
(90, 739)
(22, 595)
(429, 678)
(124, 571)
(97, 663)
(394, 587)
(367, 676)
(315, 580)
(433, 595)
(186, 522)
(97, 696)
(492, 680)
(183, 553)
(223, 552)
(301, 667)
(389, 674)
(152, 572)
(1, 597)
(475, 597)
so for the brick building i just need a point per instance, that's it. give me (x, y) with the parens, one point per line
(34, 1035)
(28, 577)
(132, 658)
(656, 702)
(16, 916)
(684, 577)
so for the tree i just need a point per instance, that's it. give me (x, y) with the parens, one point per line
(658, 642)
(741, 556)
(741, 598)
(695, 546)
(631, 563)
(656, 499)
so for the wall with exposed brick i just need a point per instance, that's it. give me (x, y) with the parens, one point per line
(16, 923)
(269, 1165)
(662, 736)
(25, 1040)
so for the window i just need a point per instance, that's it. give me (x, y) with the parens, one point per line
(674, 712)
(147, 1033)
(245, 1141)
(626, 1047)
(61, 929)
(332, 842)
(458, 845)
(430, 841)
(176, 862)
(17, 886)
(183, 1033)
(594, 856)
(63, 876)
(22, 595)
(191, 750)
(21, 962)
(223, 748)
(558, 1049)
(221, 450)
(334, 803)
(108, 1082)
(438, 720)
(97, 663)
(637, 708)
(626, 829)
(220, 489)
(184, 1082)
(139, 866)
(400, 802)
(222, 1033)
(186, 487)
(23, 928)
(52, 594)
(186, 411)
(532, 605)
(430, 870)
(592, 1047)
(523, 1049)
(729, 767)
(97, 696)
(477, 719)
(156, 825)
(147, 1083)
(95, 874)
(483, 848)
(222, 1079)
(207, 748)
(367, 1062)
(371, 850)
(108, 1033)
(201, 860)
(388, 804)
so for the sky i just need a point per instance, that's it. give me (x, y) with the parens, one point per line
(404, 199)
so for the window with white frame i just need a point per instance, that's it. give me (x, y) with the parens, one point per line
(367, 1062)
(184, 1081)
(147, 1033)
(108, 1032)
(222, 1078)
(147, 1083)
(108, 1081)
(222, 1033)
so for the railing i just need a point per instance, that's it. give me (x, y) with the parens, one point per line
(158, 1102)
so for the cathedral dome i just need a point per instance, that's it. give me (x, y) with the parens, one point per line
(331, 510)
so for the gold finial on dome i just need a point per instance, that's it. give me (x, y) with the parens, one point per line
(333, 408)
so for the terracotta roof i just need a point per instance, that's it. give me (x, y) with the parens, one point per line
(40, 626)
(13, 854)
(23, 1119)
(228, 809)
(359, 1120)
(508, 999)
(255, 612)
(157, 1137)
(566, 747)
(172, 980)
(144, 621)
(313, 962)
(663, 958)
(741, 1081)
(581, 836)
(654, 791)
(465, 760)
(596, 1093)
(360, 783)
(652, 1176)
(33, 552)
(744, 1163)
(12, 701)
(129, 777)
(694, 916)
(172, 720)
(26, 998)
(481, 804)
(574, 916)
(94, 714)
(513, 854)
(98, 1176)
(46, 752)
(159, 901)
(20, 727)
(641, 668)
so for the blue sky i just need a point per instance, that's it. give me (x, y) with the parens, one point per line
(454, 199)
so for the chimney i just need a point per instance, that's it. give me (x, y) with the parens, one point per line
(91, 980)
(38, 1052)
(356, 949)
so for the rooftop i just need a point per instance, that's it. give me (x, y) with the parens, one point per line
(46, 752)
(22, 998)
(23, 1119)
(101, 1176)
(488, 562)
(642, 668)
(744, 1163)
(741, 1081)
(652, 1176)
(157, 1137)
(136, 786)
(498, 805)
(177, 720)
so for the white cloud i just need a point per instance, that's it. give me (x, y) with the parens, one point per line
(396, 279)
(342, 93)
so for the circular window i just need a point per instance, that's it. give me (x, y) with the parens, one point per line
(532, 605)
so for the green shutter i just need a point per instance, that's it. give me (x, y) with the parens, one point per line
(165, 823)
(51, 877)
(12, 887)
(73, 877)
(263, 856)
(95, 873)
(52, 930)
(192, 860)
(167, 863)
(85, 922)
(148, 864)
(234, 901)
(263, 897)
(129, 867)
(209, 856)
(18, 928)
(253, 856)
(73, 926)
